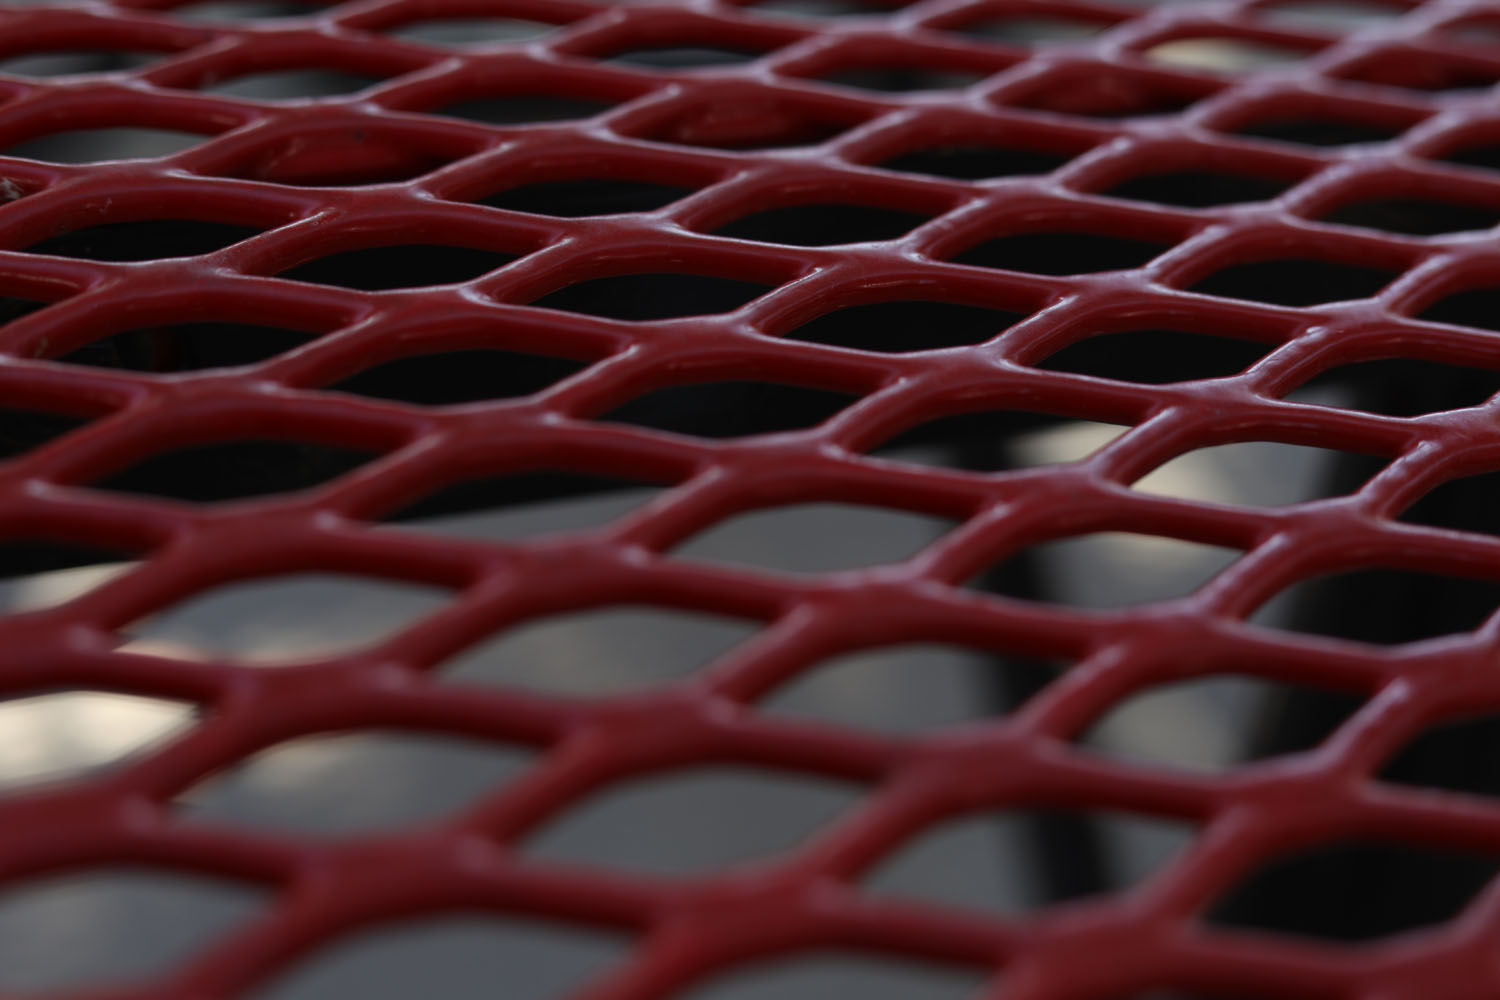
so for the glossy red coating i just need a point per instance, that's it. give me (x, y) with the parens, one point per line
(762, 134)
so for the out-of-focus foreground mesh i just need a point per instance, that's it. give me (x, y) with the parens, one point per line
(814, 235)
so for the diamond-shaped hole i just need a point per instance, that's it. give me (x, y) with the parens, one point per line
(50, 588)
(1423, 73)
(898, 78)
(468, 32)
(1355, 890)
(353, 783)
(459, 377)
(997, 440)
(730, 408)
(1114, 569)
(40, 573)
(600, 651)
(1477, 307)
(990, 861)
(1254, 473)
(905, 325)
(1223, 55)
(1198, 188)
(907, 689)
(1399, 387)
(820, 9)
(403, 265)
(106, 925)
(1062, 252)
(73, 734)
(1294, 281)
(815, 537)
(1317, 129)
(234, 470)
(1463, 504)
(519, 506)
(826, 976)
(1023, 29)
(1414, 216)
(14, 308)
(1211, 724)
(823, 224)
(247, 10)
(292, 84)
(456, 958)
(523, 108)
(1155, 356)
(1456, 755)
(1382, 606)
(94, 145)
(653, 296)
(289, 617)
(153, 239)
(1473, 154)
(753, 123)
(689, 822)
(11, 191)
(185, 347)
(974, 162)
(684, 56)
(65, 62)
(23, 430)
(1336, 15)
(574, 199)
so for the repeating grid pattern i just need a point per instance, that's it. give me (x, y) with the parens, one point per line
(797, 124)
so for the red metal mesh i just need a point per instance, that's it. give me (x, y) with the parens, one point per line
(759, 135)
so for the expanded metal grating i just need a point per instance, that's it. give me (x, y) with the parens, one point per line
(816, 235)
